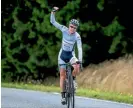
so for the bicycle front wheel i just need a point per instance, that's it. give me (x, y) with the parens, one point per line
(70, 95)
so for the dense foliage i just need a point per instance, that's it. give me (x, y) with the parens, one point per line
(30, 44)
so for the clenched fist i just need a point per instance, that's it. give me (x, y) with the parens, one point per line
(55, 9)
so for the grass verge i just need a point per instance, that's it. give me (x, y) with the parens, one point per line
(118, 97)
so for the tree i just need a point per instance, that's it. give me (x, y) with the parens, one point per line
(30, 44)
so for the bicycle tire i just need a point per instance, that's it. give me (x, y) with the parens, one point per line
(70, 92)
(72, 96)
(65, 89)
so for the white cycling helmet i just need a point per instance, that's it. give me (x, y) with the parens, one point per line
(74, 22)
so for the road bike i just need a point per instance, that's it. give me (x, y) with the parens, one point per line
(69, 86)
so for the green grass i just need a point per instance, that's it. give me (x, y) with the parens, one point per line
(118, 97)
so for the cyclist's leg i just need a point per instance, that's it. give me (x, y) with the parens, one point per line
(75, 69)
(76, 66)
(62, 69)
(62, 78)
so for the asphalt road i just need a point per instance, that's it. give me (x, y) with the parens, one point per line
(18, 98)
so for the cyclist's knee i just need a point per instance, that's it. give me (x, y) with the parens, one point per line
(76, 67)
(62, 73)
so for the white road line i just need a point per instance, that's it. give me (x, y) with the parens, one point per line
(98, 100)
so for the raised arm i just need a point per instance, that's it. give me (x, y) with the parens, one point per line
(53, 21)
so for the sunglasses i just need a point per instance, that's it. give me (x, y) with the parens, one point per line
(73, 27)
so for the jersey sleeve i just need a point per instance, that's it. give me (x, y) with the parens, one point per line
(79, 46)
(56, 24)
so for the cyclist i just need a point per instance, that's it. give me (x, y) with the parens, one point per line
(67, 52)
